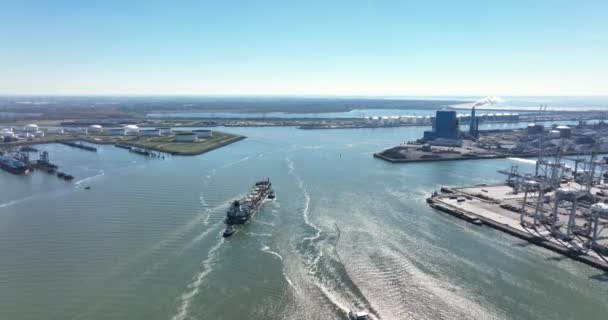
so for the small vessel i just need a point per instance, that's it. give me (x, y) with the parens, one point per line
(13, 165)
(60, 174)
(272, 195)
(359, 315)
(87, 188)
(68, 177)
(230, 230)
(477, 221)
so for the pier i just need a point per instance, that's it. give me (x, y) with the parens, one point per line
(557, 207)
(79, 145)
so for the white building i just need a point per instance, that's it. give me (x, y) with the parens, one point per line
(203, 133)
(150, 132)
(131, 129)
(186, 137)
(95, 128)
(30, 128)
(76, 130)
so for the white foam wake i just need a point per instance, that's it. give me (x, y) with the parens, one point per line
(276, 254)
(307, 200)
(193, 288)
(530, 161)
(230, 164)
(99, 174)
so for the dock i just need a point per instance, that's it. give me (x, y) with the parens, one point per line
(79, 145)
(496, 206)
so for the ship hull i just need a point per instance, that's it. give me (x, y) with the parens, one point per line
(14, 169)
(264, 191)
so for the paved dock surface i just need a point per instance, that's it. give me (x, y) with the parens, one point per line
(484, 203)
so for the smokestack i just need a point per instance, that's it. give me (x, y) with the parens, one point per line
(473, 124)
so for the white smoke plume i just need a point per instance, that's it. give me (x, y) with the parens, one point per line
(487, 100)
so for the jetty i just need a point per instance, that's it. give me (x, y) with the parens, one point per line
(79, 145)
(559, 208)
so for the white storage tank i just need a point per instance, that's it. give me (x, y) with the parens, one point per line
(30, 128)
(554, 134)
(95, 128)
(150, 132)
(565, 131)
(131, 129)
(186, 137)
(203, 133)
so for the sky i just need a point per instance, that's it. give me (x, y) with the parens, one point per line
(312, 47)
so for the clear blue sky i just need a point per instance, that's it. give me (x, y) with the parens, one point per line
(401, 47)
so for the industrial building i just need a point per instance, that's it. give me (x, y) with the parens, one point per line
(116, 131)
(445, 126)
(55, 131)
(202, 133)
(186, 137)
(150, 132)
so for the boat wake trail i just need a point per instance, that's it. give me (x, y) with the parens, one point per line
(327, 274)
(193, 288)
(230, 164)
(306, 207)
(276, 254)
(530, 161)
(99, 174)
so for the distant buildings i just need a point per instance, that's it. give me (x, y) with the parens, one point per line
(186, 137)
(150, 132)
(445, 126)
(201, 134)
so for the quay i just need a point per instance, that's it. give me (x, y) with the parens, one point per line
(79, 145)
(498, 207)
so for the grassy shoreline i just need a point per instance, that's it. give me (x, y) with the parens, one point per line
(162, 144)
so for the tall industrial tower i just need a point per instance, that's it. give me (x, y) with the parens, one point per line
(474, 125)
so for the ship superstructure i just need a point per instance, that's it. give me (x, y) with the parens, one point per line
(240, 211)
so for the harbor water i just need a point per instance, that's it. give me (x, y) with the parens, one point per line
(346, 231)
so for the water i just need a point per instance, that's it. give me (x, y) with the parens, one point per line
(346, 230)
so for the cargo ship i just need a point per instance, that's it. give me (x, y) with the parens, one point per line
(13, 165)
(240, 211)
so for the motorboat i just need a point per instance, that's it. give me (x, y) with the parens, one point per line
(359, 315)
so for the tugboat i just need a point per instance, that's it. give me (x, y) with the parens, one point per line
(230, 230)
(359, 315)
(240, 211)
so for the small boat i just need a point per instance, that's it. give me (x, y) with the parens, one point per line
(60, 174)
(68, 177)
(87, 188)
(359, 315)
(230, 230)
(477, 221)
(272, 195)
